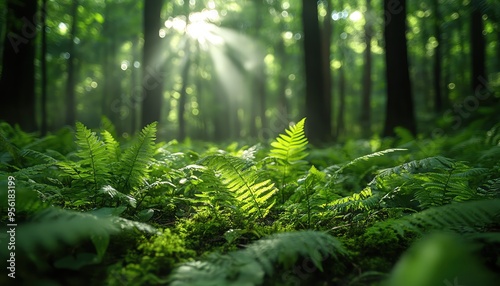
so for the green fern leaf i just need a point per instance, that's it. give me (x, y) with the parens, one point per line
(135, 160)
(253, 194)
(472, 214)
(112, 146)
(290, 148)
(92, 153)
(259, 259)
(53, 226)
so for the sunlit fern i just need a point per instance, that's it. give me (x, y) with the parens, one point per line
(288, 150)
(249, 266)
(239, 175)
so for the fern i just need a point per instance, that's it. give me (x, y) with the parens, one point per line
(290, 147)
(92, 152)
(365, 158)
(135, 160)
(361, 201)
(54, 226)
(237, 175)
(250, 265)
(288, 150)
(472, 214)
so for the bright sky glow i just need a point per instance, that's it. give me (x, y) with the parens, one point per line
(200, 25)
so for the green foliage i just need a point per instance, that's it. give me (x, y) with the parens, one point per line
(92, 165)
(135, 160)
(87, 201)
(470, 216)
(239, 175)
(289, 150)
(153, 261)
(250, 265)
(58, 227)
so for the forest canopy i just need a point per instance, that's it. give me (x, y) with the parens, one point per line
(221, 70)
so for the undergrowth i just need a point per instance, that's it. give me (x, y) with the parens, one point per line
(94, 209)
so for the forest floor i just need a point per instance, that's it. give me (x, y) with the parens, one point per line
(84, 208)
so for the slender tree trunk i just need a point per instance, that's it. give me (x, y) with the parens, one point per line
(399, 107)
(325, 49)
(43, 66)
(318, 119)
(438, 97)
(342, 94)
(258, 106)
(367, 75)
(152, 72)
(71, 82)
(282, 85)
(478, 49)
(17, 81)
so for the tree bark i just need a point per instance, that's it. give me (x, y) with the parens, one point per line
(318, 119)
(43, 72)
(70, 84)
(478, 50)
(367, 75)
(438, 97)
(399, 107)
(17, 81)
(152, 71)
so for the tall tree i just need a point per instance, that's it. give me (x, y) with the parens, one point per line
(71, 81)
(43, 72)
(399, 106)
(326, 38)
(152, 77)
(367, 74)
(318, 117)
(17, 81)
(438, 97)
(478, 47)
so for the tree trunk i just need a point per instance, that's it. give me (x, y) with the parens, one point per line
(478, 50)
(43, 66)
(340, 115)
(152, 72)
(325, 49)
(438, 97)
(318, 118)
(70, 84)
(399, 106)
(17, 81)
(367, 75)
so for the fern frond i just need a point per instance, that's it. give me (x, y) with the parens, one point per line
(92, 153)
(368, 157)
(259, 259)
(253, 194)
(290, 148)
(418, 166)
(53, 226)
(135, 160)
(471, 214)
(363, 200)
(112, 146)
